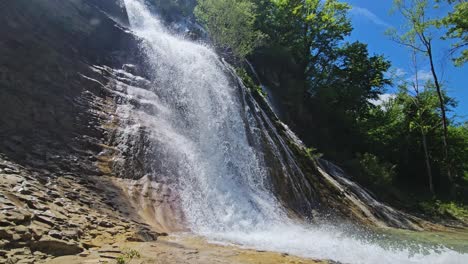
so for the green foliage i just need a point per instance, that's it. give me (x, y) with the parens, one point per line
(458, 139)
(421, 110)
(230, 24)
(456, 23)
(132, 253)
(439, 208)
(415, 12)
(310, 30)
(355, 79)
(395, 132)
(325, 84)
(375, 171)
(128, 255)
(121, 260)
(249, 82)
(312, 153)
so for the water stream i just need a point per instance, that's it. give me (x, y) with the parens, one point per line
(208, 144)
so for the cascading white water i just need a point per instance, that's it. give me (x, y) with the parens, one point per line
(201, 130)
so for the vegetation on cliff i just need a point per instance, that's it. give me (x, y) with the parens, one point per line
(407, 148)
(231, 24)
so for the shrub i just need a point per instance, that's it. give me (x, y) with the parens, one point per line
(375, 171)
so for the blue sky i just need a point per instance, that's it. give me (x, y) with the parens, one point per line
(370, 21)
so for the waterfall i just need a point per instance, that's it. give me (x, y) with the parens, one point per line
(208, 144)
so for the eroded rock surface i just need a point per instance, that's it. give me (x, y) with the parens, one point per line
(44, 216)
(50, 113)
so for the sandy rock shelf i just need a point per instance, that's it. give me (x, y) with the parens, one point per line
(181, 249)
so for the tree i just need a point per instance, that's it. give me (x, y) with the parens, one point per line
(304, 37)
(458, 137)
(230, 24)
(337, 104)
(456, 23)
(404, 131)
(420, 38)
(311, 30)
(324, 83)
(354, 80)
(424, 106)
(423, 118)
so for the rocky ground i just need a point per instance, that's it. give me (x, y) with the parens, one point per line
(180, 249)
(49, 218)
(43, 215)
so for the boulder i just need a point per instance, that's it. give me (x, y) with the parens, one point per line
(56, 247)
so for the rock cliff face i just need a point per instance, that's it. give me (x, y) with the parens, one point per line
(51, 112)
(54, 106)
(53, 102)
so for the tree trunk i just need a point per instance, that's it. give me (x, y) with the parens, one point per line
(428, 163)
(444, 116)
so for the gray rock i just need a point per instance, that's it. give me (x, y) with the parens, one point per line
(5, 234)
(56, 247)
(45, 220)
(21, 229)
(56, 234)
(106, 224)
(72, 233)
(17, 217)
